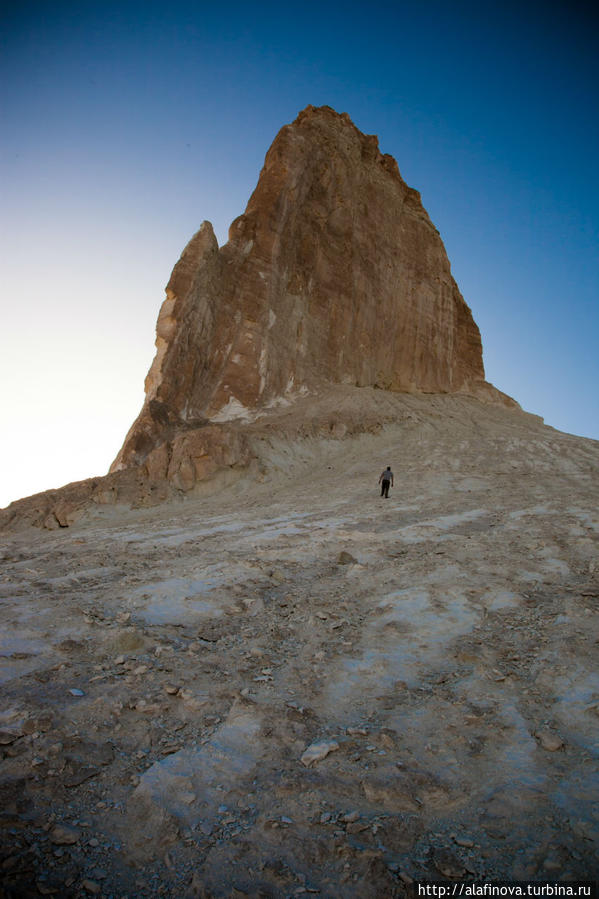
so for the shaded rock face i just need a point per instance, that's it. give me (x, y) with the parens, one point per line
(334, 273)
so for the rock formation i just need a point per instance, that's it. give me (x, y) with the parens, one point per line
(334, 274)
(333, 282)
(302, 688)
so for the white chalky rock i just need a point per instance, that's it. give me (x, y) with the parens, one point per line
(316, 752)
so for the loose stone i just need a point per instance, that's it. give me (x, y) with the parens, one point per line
(345, 558)
(549, 740)
(318, 751)
(63, 835)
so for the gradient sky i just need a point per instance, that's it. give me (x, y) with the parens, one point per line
(125, 125)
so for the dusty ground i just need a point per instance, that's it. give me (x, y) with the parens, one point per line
(165, 671)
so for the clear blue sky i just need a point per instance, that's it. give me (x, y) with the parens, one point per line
(126, 124)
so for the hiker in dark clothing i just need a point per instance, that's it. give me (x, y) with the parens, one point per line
(386, 481)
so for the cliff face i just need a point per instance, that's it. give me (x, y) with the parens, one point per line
(334, 273)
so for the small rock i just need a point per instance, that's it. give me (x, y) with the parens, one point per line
(549, 740)
(92, 887)
(463, 842)
(316, 752)
(47, 887)
(74, 691)
(63, 835)
(7, 738)
(389, 739)
(357, 826)
(345, 558)
(77, 774)
(171, 689)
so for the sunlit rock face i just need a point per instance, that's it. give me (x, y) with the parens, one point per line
(334, 274)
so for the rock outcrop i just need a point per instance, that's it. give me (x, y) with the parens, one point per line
(333, 282)
(334, 274)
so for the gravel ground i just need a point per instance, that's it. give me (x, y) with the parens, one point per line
(296, 687)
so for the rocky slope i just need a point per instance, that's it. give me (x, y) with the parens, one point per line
(295, 687)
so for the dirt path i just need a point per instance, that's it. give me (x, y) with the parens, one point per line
(209, 699)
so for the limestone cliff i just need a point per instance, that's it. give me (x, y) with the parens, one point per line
(334, 274)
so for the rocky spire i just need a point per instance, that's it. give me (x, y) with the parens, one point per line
(334, 274)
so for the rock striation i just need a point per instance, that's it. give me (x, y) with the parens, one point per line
(334, 274)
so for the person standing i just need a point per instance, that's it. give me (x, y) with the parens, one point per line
(386, 481)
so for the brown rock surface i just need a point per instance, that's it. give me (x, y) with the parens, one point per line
(334, 273)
